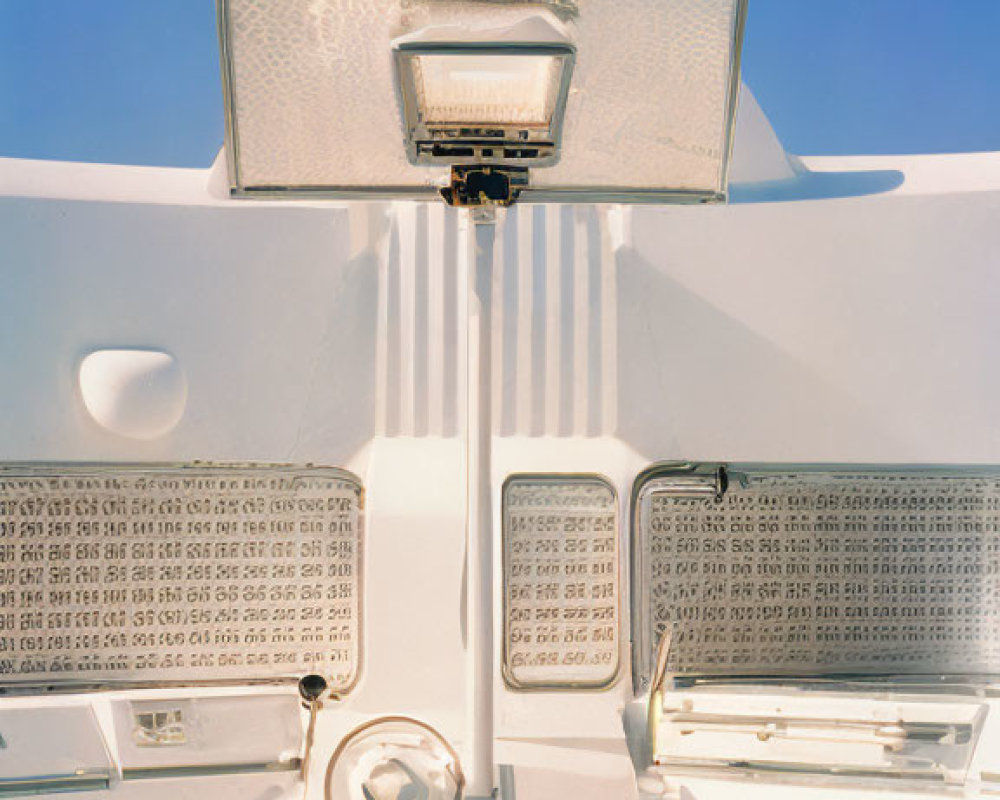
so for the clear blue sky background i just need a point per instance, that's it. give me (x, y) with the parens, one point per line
(137, 81)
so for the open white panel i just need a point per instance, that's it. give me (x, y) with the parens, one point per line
(854, 326)
(314, 106)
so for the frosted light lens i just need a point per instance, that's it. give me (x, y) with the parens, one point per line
(486, 89)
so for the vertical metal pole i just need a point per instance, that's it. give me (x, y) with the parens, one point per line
(480, 517)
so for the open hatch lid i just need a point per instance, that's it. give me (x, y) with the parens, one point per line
(314, 104)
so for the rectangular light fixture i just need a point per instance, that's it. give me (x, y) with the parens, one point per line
(465, 104)
(313, 91)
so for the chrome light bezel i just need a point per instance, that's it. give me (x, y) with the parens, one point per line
(480, 141)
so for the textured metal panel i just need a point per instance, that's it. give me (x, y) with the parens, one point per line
(554, 323)
(152, 574)
(312, 101)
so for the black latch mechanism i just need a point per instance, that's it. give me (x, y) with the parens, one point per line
(484, 185)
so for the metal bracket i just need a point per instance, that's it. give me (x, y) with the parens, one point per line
(689, 480)
(484, 185)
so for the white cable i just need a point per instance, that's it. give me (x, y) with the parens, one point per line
(480, 517)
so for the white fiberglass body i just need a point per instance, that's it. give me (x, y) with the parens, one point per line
(836, 310)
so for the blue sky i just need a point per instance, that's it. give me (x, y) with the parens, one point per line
(137, 81)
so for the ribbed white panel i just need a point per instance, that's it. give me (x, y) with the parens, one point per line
(524, 352)
(419, 331)
(554, 323)
(435, 365)
(412, 228)
(609, 320)
(581, 328)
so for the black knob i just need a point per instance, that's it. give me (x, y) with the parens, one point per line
(311, 687)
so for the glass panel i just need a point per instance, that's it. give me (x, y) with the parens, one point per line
(561, 584)
(148, 574)
(819, 571)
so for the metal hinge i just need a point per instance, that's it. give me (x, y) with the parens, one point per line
(689, 480)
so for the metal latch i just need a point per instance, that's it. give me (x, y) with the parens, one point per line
(484, 185)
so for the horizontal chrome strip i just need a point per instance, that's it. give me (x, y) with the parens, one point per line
(204, 770)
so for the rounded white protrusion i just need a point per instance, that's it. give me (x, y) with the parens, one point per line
(140, 394)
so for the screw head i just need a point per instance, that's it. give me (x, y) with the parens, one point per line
(311, 687)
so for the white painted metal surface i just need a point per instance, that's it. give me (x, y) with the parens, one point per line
(839, 310)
